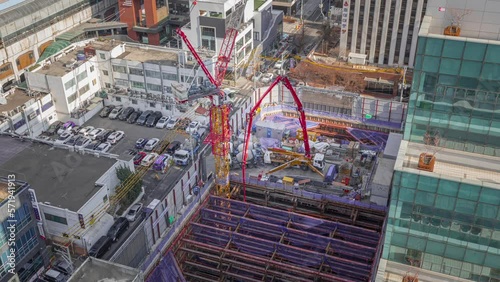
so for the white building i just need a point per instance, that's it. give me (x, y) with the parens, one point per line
(385, 31)
(30, 26)
(70, 77)
(27, 111)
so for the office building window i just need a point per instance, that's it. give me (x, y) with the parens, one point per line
(91, 68)
(69, 84)
(105, 72)
(120, 69)
(56, 218)
(170, 76)
(102, 56)
(135, 71)
(71, 98)
(81, 76)
(84, 89)
(154, 87)
(154, 74)
(136, 84)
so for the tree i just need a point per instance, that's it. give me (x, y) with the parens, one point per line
(126, 193)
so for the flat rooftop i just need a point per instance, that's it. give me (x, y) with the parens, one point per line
(150, 55)
(100, 270)
(452, 164)
(62, 178)
(18, 98)
(58, 68)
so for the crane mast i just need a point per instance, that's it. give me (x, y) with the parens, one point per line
(220, 130)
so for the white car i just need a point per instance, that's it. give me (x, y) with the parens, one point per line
(82, 142)
(171, 123)
(134, 212)
(115, 137)
(162, 123)
(257, 76)
(267, 78)
(152, 143)
(86, 130)
(149, 159)
(193, 127)
(115, 113)
(279, 64)
(65, 136)
(103, 147)
(96, 132)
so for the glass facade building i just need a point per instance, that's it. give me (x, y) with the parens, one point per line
(456, 91)
(445, 226)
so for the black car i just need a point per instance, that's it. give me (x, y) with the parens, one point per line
(63, 267)
(126, 113)
(134, 116)
(72, 141)
(118, 228)
(142, 119)
(104, 135)
(106, 111)
(100, 247)
(93, 145)
(54, 127)
(153, 119)
(172, 147)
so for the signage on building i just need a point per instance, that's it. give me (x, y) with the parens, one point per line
(40, 230)
(82, 220)
(34, 204)
(344, 27)
(442, 9)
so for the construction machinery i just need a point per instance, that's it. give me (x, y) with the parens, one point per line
(220, 133)
(302, 160)
(284, 159)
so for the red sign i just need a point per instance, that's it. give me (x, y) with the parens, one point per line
(441, 9)
(346, 4)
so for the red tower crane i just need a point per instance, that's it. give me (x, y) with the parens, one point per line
(302, 121)
(220, 132)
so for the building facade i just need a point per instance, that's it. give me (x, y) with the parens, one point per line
(444, 222)
(385, 31)
(146, 20)
(30, 254)
(31, 26)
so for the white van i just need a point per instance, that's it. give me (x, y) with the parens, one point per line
(181, 157)
(149, 159)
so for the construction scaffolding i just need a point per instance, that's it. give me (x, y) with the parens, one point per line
(238, 241)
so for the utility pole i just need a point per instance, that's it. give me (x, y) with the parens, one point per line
(301, 12)
(403, 85)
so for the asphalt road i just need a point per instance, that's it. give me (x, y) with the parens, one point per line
(116, 245)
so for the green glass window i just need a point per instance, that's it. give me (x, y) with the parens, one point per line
(449, 66)
(490, 71)
(492, 54)
(417, 243)
(399, 239)
(465, 206)
(407, 195)
(453, 49)
(409, 180)
(418, 62)
(424, 198)
(490, 196)
(474, 51)
(421, 45)
(445, 202)
(468, 82)
(433, 47)
(480, 126)
(454, 252)
(426, 183)
(474, 256)
(431, 64)
(487, 211)
(436, 248)
(447, 187)
(447, 80)
(492, 260)
(470, 69)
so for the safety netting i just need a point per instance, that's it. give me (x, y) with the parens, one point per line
(167, 270)
(245, 241)
(370, 140)
(291, 124)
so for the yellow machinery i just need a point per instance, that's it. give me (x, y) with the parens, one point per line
(285, 159)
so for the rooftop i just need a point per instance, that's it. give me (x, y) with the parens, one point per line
(55, 173)
(454, 165)
(59, 67)
(150, 55)
(100, 270)
(105, 44)
(16, 99)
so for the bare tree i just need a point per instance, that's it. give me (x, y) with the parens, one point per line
(458, 15)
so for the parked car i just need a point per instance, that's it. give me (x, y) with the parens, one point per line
(279, 64)
(93, 145)
(75, 129)
(65, 136)
(86, 130)
(149, 159)
(53, 275)
(116, 136)
(172, 147)
(162, 162)
(126, 113)
(54, 127)
(100, 247)
(94, 133)
(104, 135)
(162, 122)
(184, 123)
(153, 119)
(193, 127)
(72, 140)
(140, 143)
(106, 111)
(139, 157)
(67, 126)
(103, 147)
(63, 266)
(82, 142)
(134, 116)
(116, 112)
(171, 123)
(267, 78)
(142, 118)
(152, 143)
(257, 76)
(118, 228)
(134, 212)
